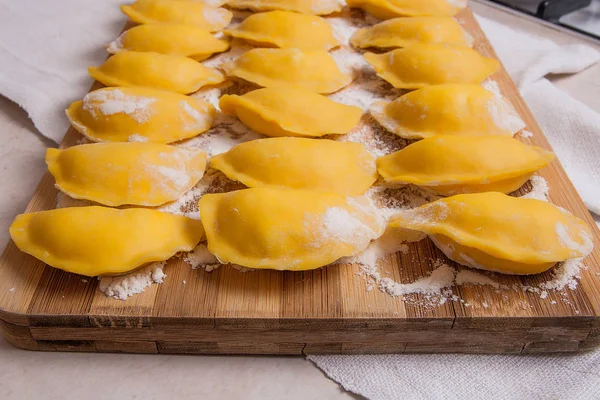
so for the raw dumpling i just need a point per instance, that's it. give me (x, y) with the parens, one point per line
(159, 71)
(308, 7)
(422, 65)
(96, 241)
(185, 12)
(448, 165)
(181, 40)
(287, 229)
(114, 174)
(285, 29)
(402, 32)
(313, 70)
(500, 233)
(298, 163)
(450, 109)
(291, 112)
(138, 114)
(386, 9)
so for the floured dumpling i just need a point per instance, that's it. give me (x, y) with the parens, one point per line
(500, 233)
(308, 7)
(298, 163)
(422, 65)
(291, 112)
(402, 32)
(287, 229)
(159, 71)
(114, 174)
(450, 109)
(386, 9)
(313, 70)
(448, 165)
(187, 12)
(138, 114)
(181, 40)
(285, 29)
(97, 241)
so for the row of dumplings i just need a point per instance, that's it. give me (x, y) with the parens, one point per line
(296, 214)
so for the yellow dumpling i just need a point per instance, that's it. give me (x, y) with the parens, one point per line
(177, 39)
(313, 70)
(450, 109)
(138, 114)
(448, 165)
(402, 32)
(298, 163)
(500, 233)
(159, 71)
(114, 174)
(287, 229)
(285, 29)
(386, 9)
(291, 112)
(422, 65)
(97, 241)
(308, 7)
(187, 12)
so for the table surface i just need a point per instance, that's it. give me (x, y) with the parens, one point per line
(102, 376)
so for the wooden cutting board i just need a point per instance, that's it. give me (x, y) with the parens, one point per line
(314, 312)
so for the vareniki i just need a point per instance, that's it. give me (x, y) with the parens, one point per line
(326, 165)
(421, 65)
(451, 109)
(291, 112)
(448, 165)
(158, 71)
(500, 233)
(287, 229)
(97, 241)
(138, 114)
(114, 174)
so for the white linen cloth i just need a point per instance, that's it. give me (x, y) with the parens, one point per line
(46, 47)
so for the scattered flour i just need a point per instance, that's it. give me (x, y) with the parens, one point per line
(137, 138)
(564, 275)
(501, 110)
(526, 134)
(442, 277)
(123, 286)
(468, 277)
(200, 257)
(11, 290)
(539, 189)
(113, 101)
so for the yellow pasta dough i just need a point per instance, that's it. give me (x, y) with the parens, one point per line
(291, 112)
(402, 32)
(97, 241)
(308, 7)
(159, 71)
(176, 39)
(287, 229)
(313, 70)
(195, 13)
(422, 65)
(448, 165)
(138, 114)
(298, 163)
(386, 9)
(500, 233)
(114, 174)
(285, 29)
(449, 109)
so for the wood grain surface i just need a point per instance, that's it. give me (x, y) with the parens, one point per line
(325, 311)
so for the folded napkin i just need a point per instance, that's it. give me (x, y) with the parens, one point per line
(46, 47)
